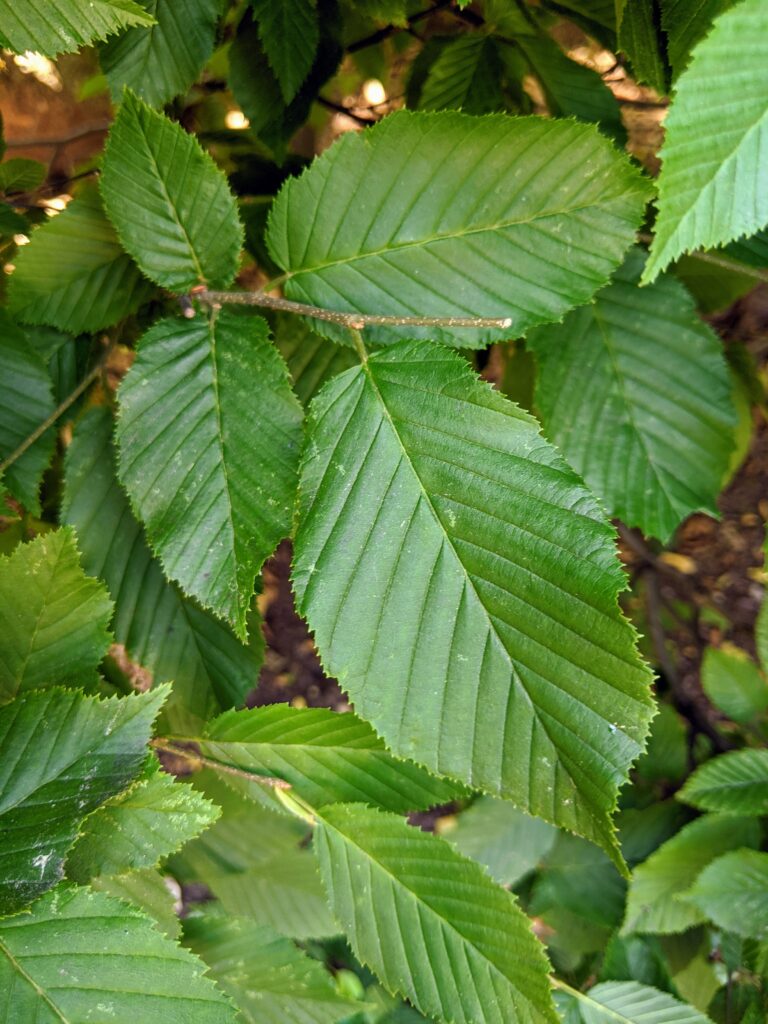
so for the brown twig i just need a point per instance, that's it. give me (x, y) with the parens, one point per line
(167, 746)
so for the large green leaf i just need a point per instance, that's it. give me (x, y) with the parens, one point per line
(148, 890)
(54, 617)
(627, 1002)
(311, 360)
(170, 204)
(734, 783)
(209, 434)
(713, 185)
(270, 979)
(734, 683)
(161, 61)
(289, 32)
(93, 749)
(325, 757)
(163, 631)
(732, 892)
(443, 214)
(466, 76)
(506, 841)
(654, 903)
(37, 25)
(461, 583)
(74, 273)
(635, 392)
(26, 401)
(431, 923)
(139, 828)
(84, 956)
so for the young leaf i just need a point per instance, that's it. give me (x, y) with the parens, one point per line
(492, 217)
(627, 1002)
(437, 532)
(732, 892)
(80, 952)
(93, 749)
(654, 903)
(734, 683)
(170, 204)
(431, 923)
(504, 840)
(55, 618)
(326, 757)
(289, 32)
(139, 828)
(162, 631)
(734, 783)
(214, 484)
(74, 274)
(38, 26)
(635, 391)
(466, 76)
(270, 979)
(161, 61)
(26, 401)
(712, 186)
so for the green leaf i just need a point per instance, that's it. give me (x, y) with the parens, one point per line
(163, 60)
(214, 484)
(11, 222)
(271, 980)
(436, 533)
(639, 37)
(654, 903)
(289, 32)
(650, 423)
(170, 204)
(525, 234)
(504, 840)
(55, 618)
(256, 863)
(666, 756)
(627, 1002)
(148, 890)
(326, 757)
(163, 631)
(734, 783)
(752, 251)
(139, 828)
(21, 175)
(579, 879)
(81, 952)
(686, 23)
(430, 923)
(466, 76)
(734, 683)
(35, 25)
(733, 892)
(93, 749)
(26, 401)
(74, 274)
(703, 172)
(311, 360)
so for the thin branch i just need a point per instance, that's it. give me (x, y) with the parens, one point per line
(357, 321)
(340, 109)
(167, 746)
(63, 140)
(41, 429)
(390, 30)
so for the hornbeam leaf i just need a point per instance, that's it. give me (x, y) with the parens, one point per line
(74, 273)
(39, 26)
(148, 890)
(311, 360)
(627, 1002)
(326, 757)
(139, 828)
(466, 76)
(163, 631)
(733, 682)
(462, 585)
(734, 783)
(79, 953)
(161, 61)
(54, 617)
(289, 32)
(685, 22)
(431, 924)
(270, 979)
(639, 39)
(170, 205)
(713, 186)
(732, 892)
(213, 484)
(444, 214)
(635, 392)
(93, 749)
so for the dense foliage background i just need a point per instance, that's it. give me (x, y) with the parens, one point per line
(386, 338)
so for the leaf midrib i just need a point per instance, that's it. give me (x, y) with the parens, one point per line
(42, 994)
